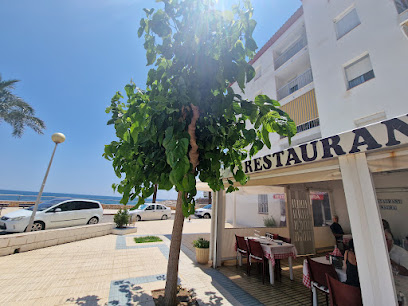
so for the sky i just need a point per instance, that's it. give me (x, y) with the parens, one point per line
(71, 57)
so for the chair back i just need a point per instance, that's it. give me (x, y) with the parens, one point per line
(284, 239)
(319, 270)
(241, 243)
(342, 294)
(255, 249)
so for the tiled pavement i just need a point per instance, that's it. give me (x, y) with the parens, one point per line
(110, 270)
(113, 270)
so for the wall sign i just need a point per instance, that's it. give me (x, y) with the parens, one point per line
(384, 134)
(389, 201)
(388, 207)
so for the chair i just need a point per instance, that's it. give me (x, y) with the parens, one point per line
(284, 239)
(342, 294)
(242, 249)
(256, 254)
(318, 280)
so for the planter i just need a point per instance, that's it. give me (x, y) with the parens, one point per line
(124, 230)
(202, 255)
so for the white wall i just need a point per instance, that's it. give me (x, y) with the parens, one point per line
(378, 34)
(396, 218)
(247, 210)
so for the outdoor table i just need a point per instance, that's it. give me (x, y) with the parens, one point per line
(276, 249)
(341, 273)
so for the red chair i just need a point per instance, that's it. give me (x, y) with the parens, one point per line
(284, 239)
(318, 273)
(256, 254)
(242, 249)
(342, 294)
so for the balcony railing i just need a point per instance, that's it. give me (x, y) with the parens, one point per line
(301, 81)
(306, 126)
(402, 5)
(292, 50)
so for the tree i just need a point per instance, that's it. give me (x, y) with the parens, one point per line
(188, 122)
(16, 112)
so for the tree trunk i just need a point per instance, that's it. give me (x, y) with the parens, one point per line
(209, 197)
(154, 193)
(170, 294)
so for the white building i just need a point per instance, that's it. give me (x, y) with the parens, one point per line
(335, 66)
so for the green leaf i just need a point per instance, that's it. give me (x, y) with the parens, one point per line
(251, 44)
(240, 177)
(265, 137)
(250, 73)
(151, 57)
(241, 79)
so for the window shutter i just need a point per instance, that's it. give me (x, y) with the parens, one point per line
(358, 68)
(347, 23)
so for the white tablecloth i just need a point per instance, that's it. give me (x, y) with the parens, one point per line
(275, 251)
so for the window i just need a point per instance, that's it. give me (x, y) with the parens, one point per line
(402, 5)
(150, 207)
(79, 205)
(359, 72)
(262, 204)
(321, 208)
(67, 206)
(346, 23)
(159, 207)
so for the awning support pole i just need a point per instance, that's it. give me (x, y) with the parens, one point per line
(377, 286)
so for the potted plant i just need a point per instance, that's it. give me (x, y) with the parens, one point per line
(202, 247)
(121, 218)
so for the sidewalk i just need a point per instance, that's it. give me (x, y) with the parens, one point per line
(112, 270)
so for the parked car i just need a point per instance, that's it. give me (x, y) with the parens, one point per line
(204, 212)
(150, 212)
(58, 212)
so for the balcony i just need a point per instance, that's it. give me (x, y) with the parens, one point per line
(402, 5)
(294, 85)
(291, 51)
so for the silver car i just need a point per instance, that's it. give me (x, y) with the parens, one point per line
(150, 212)
(59, 212)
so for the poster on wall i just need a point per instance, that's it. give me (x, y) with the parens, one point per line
(300, 222)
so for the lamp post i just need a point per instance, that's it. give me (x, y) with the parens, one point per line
(57, 138)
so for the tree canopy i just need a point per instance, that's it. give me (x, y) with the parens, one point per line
(16, 112)
(188, 121)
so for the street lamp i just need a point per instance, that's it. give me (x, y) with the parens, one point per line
(57, 138)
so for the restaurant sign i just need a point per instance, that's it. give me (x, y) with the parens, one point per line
(382, 135)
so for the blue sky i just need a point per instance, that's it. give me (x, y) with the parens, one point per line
(71, 57)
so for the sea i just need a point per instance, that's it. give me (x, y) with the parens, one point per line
(31, 196)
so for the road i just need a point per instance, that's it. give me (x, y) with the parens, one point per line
(106, 219)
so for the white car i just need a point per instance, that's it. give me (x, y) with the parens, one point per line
(59, 212)
(204, 212)
(150, 212)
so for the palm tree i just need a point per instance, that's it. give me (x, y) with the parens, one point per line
(16, 112)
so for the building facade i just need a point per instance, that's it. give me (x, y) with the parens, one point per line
(336, 67)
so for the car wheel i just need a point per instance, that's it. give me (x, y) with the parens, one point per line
(138, 218)
(207, 216)
(93, 220)
(38, 226)
(164, 217)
